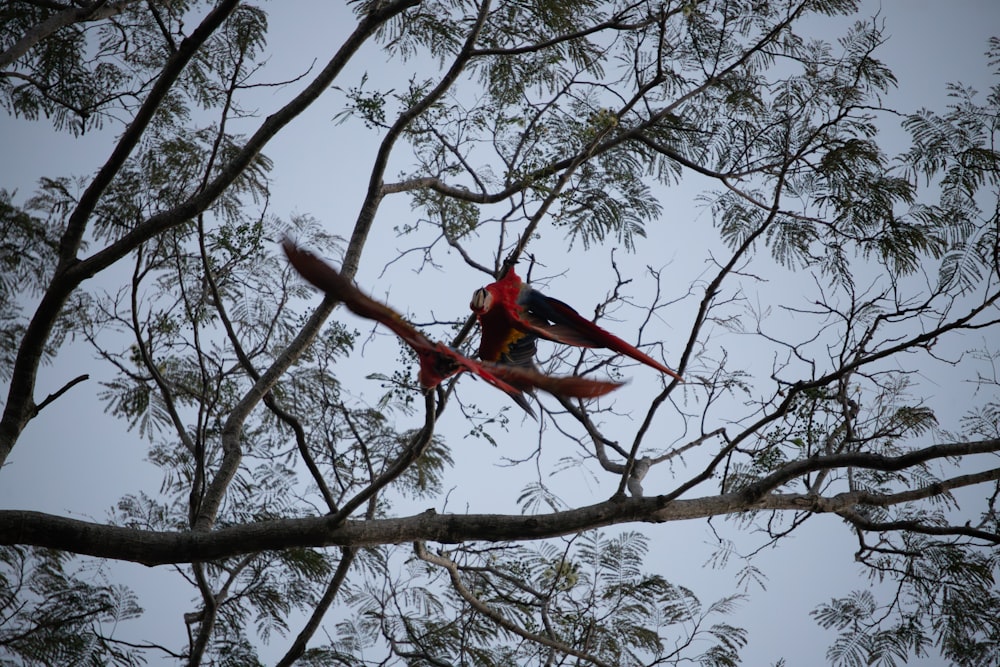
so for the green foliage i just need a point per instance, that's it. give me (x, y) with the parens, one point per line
(58, 612)
(590, 592)
(83, 75)
(854, 648)
(26, 259)
(370, 107)
(949, 603)
(959, 147)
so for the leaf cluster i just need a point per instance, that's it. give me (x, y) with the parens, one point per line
(53, 611)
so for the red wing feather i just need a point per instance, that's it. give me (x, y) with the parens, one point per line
(570, 386)
(571, 328)
(479, 369)
(489, 373)
(328, 279)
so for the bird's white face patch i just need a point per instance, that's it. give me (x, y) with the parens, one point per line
(481, 300)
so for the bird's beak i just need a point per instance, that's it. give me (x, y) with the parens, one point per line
(481, 300)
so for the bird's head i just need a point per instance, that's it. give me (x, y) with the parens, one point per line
(482, 300)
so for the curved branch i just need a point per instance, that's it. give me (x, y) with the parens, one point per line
(62, 390)
(801, 467)
(72, 272)
(616, 22)
(94, 11)
(416, 447)
(376, 187)
(233, 428)
(862, 523)
(711, 291)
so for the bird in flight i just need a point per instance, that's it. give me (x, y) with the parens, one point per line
(513, 315)
(438, 361)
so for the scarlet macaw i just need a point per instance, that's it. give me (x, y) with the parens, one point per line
(437, 360)
(512, 315)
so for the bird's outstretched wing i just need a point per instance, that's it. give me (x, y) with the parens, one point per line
(328, 279)
(570, 386)
(571, 328)
(438, 361)
(512, 315)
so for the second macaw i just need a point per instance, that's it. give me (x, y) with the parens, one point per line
(438, 361)
(513, 315)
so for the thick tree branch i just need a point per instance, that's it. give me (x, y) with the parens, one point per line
(865, 524)
(92, 11)
(802, 467)
(155, 548)
(72, 272)
(19, 408)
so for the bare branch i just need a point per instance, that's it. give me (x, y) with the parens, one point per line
(62, 390)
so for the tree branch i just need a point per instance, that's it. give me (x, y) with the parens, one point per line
(159, 547)
(19, 409)
(94, 11)
(298, 646)
(484, 609)
(62, 390)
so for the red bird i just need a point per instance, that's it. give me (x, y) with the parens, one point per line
(437, 360)
(512, 316)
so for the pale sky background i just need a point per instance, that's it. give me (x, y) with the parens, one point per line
(82, 461)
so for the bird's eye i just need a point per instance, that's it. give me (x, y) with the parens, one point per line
(481, 300)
